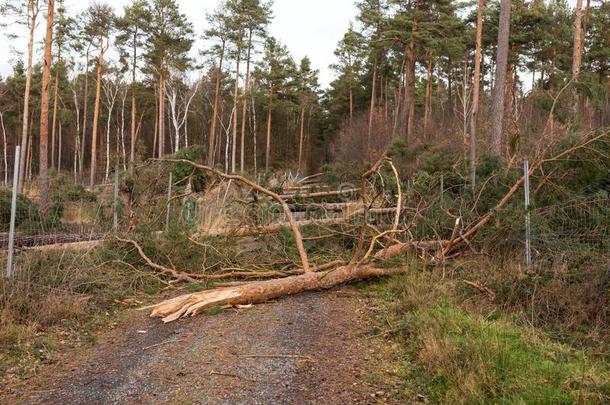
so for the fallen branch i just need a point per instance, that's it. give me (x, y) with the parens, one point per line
(278, 227)
(481, 288)
(292, 197)
(295, 230)
(162, 269)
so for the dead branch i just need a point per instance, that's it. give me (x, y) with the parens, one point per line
(295, 229)
(162, 269)
(481, 288)
(278, 227)
(292, 197)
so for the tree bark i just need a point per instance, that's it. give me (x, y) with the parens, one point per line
(44, 113)
(244, 110)
(85, 105)
(161, 117)
(212, 139)
(268, 144)
(410, 91)
(301, 138)
(96, 116)
(262, 291)
(428, 100)
(132, 147)
(578, 43)
(372, 110)
(55, 102)
(476, 89)
(235, 104)
(500, 80)
(33, 9)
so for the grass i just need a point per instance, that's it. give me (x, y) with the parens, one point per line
(456, 352)
(65, 297)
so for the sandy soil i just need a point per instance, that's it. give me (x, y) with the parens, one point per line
(314, 348)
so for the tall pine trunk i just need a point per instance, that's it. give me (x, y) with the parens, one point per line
(499, 91)
(301, 137)
(161, 117)
(476, 89)
(212, 138)
(268, 142)
(372, 110)
(578, 43)
(26, 97)
(132, 146)
(85, 110)
(44, 113)
(428, 97)
(410, 91)
(96, 116)
(244, 110)
(235, 104)
(55, 103)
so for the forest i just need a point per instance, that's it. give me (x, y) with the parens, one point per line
(460, 158)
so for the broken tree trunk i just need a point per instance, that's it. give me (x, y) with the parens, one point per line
(278, 227)
(262, 291)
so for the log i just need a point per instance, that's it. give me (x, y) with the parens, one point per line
(262, 291)
(292, 197)
(402, 248)
(278, 227)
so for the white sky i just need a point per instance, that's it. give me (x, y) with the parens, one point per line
(299, 24)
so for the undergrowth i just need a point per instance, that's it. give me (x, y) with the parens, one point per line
(459, 347)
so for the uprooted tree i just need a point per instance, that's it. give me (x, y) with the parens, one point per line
(374, 244)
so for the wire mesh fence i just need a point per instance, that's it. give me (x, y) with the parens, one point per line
(574, 230)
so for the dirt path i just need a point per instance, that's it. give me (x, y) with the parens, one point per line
(308, 349)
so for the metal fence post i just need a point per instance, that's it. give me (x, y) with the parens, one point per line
(528, 219)
(169, 199)
(11, 234)
(115, 213)
(442, 188)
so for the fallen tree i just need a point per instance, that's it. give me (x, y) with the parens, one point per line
(262, 291)
(361, 265)
(278, 227)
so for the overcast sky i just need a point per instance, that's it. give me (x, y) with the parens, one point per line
(299, 24)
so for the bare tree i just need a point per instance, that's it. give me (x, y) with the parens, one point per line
(111, 90)
(180, 104)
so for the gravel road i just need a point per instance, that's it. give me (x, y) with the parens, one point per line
(309, 349)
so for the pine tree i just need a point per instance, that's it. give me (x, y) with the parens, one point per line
(350, 54)
(500, 80)
(274, 72)
(130, 39)
(26, 13)
(307, 83)
(217, 31)
(99, 25)
(169, 38)
(476, 94)
(43, 178)
(63, 26)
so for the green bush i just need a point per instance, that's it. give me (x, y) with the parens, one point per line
(27, 211)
